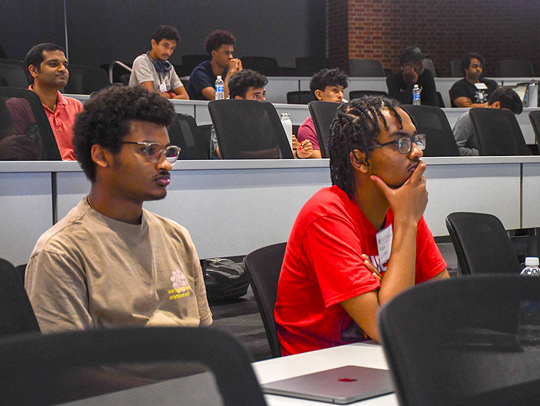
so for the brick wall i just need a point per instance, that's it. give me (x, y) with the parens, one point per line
(445, 29)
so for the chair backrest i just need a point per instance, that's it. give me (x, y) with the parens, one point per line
(190, 62)
(534, 116)
(17, 315)
(498, 132)
(300, 97)
(465, 341)
(440, 100)
(25, 132)
(15, 73)
(323, 114)
(86, 79)
(309, 65)
(263, 267)
(455, 67)
(516, 68)
(432, 121)
(190, 365)
(482, 245)
(428, 64)
(262, 64)
(365, 68)
(184, 133)
(356, 94)
(249, 129)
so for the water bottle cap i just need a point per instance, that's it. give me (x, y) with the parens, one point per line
(219, 77)
(532, 261)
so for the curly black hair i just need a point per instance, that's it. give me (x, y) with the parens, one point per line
(107, 117)
(328, 77)
(216, 39)
(166, 32)
(240, 82)
(356, 126)
(466, 61)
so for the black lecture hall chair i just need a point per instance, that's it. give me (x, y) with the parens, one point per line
(455, 67)
(249, 129)
(356, 94)
(190, 62)
(300, 97)
(27, 134)
(262, 64)
(534, 116)
(465, 341)
(432, 121)
(15, 73)
(184, 133)
(516, 68)
(482, 244)
(309, 65)
(17, 315)
(323, 114)
(498, 132)
(263, 267)
(86, 79)
(428, 64)
(365, 68)
(178, 365)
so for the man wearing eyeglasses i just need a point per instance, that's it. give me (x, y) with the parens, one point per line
(473, 90)
(356, 245)
(109, 262)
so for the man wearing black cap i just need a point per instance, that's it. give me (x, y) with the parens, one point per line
(400, 85)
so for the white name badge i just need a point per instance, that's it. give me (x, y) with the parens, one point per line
(384, 244)
(163, 87)
(481, 86)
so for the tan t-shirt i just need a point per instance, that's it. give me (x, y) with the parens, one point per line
(91, 271)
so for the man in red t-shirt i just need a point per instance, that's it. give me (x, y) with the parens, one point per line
(356, 245)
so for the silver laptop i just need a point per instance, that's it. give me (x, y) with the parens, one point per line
(342, 385)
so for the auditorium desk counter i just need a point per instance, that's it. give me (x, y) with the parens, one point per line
(233, 207)
(360, 354)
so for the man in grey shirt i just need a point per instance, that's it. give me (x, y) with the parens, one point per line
(466, 140)
(153, 71)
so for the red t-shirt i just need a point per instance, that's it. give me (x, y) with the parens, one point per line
(323, 267)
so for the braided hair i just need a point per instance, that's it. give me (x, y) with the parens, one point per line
(356, 126)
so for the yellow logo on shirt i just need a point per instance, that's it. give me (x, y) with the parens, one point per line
(180, 286)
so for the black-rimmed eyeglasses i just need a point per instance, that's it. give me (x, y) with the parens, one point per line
(153, 150)
(404, 144)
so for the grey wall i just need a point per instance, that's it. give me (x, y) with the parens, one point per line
(102, 31)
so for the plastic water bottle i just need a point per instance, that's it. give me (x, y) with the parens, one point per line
(220, 88)
(416, 95)
(531, 267)
(287, 126)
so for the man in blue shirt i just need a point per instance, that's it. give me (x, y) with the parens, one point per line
(220, 45)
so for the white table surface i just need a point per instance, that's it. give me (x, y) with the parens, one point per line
(360, 354)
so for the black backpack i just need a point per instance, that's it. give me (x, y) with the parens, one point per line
(224, 279)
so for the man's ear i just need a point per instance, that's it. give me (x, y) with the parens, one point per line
(33, 71)
(101, 156)
(495, 105)
(153, 43)
(358, 160)
(238, 97)
(318, 94)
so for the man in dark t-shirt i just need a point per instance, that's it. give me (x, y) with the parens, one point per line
(400, 85)
(473, 90)
(220, 45)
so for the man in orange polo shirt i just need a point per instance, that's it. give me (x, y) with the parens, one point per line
(48, 67)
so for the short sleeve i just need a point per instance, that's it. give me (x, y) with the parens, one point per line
(307, 132)
(335, 251)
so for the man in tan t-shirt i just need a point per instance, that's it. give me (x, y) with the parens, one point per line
(109, 262)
